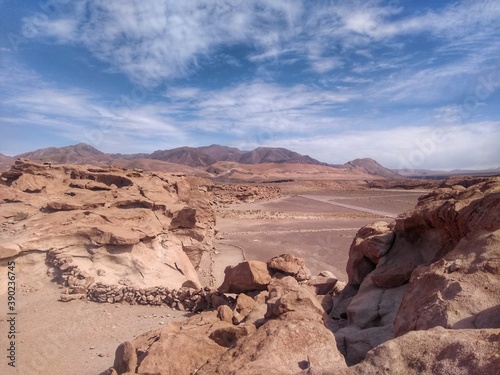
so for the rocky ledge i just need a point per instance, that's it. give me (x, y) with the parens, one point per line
(106, 228)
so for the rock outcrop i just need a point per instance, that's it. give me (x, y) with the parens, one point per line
(436, 266)
(105, 231)
(436, 351)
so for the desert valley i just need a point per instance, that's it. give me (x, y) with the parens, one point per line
(214, 260)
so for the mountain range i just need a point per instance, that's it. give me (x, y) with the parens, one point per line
(213, 160)
(191, 156)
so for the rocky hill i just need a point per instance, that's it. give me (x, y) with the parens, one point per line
(102, 230)
(81, 153)
(423, 297)
(370, 166)
(275, 155)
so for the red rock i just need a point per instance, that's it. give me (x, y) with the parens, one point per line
(290, 265)
(245, 277)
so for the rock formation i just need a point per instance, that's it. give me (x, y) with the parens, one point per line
(111, 233)
(437, 265)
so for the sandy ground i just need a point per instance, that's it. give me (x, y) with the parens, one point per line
(80, 337)
(318, 227)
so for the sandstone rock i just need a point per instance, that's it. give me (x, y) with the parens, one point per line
(183, 218)
(322, 285)
(229, 336)
(370, 244)
(292, 299)
(290, 265)
(245, 277)
(280, 347)
(436, 351)
(165, 351)
(441, 269)
(244, 305)
(464, 298)
(30, 183)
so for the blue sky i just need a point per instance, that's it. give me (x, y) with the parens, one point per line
(412, 84)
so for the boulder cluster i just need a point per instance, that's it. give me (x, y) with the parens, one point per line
(226, 194)
(275, 324)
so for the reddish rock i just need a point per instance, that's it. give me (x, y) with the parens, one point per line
(281, 347)
(245, 277)
(290, 265)
(441, 269)
(436, 351)
(113, 223)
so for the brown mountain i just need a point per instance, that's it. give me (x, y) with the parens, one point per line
(200, 158)
(275, 155)
(370, 166)
(185, 155)
(77, 154)
(206, 156)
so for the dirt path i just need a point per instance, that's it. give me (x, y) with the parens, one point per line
(291, 231)
(329, 200)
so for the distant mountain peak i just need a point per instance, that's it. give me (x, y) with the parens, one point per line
(370, 166)
(80, 153)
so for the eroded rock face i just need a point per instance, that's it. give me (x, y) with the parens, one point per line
(106, 225)
(436, 351)
(437, 265)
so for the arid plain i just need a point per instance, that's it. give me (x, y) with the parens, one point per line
(317, 226)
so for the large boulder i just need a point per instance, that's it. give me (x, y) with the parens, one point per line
(290, 264)
(245, 277)
(461, 290)
(280, 347)
(164, 351)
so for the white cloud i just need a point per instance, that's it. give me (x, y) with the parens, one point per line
(444, 147)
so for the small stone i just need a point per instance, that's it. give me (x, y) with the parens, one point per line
(455, 266)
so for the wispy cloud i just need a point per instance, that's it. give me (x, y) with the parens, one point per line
(331, 76)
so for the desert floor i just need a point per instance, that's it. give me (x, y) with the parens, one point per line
(80, 337)
(318, 227)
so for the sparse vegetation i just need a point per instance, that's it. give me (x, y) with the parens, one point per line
(20, 216)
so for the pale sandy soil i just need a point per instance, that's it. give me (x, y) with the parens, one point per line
(80, 338)
(71, 338)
